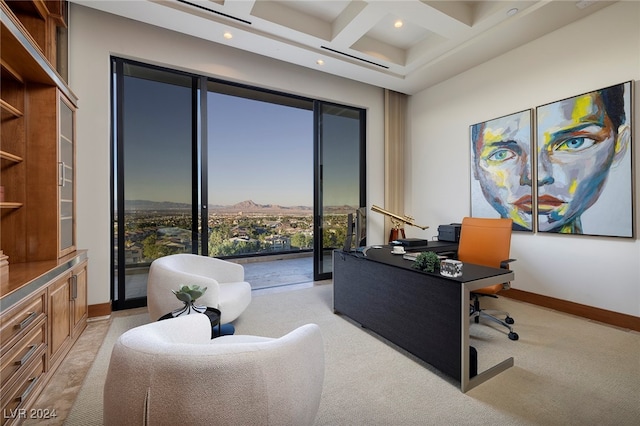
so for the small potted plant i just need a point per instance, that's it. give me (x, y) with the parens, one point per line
(188, 294)
(427, 261)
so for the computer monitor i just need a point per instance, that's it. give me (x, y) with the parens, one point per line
(361, 227)
(348, 240)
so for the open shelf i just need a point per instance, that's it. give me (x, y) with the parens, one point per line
(10, 71)
(10, 205)
(10, 157)
(10, 109)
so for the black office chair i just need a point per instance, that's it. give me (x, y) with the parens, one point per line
(487, 242)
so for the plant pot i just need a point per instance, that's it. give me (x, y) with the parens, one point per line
(189, 308)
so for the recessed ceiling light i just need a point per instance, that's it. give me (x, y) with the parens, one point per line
(227, 35)
(512, 12)
(398, 24)
(320, 62)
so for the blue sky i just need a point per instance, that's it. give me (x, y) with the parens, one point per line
(258, 151)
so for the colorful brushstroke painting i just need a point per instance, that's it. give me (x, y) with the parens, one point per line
(584, 164)
(501, 169)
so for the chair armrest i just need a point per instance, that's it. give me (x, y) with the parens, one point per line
(223, 271)
(504, 264)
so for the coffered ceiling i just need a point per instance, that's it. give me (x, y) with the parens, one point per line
(358, 39)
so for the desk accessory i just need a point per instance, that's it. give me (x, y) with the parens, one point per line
(398, 250)
(449, 232)
(450, 268)
(397, 221)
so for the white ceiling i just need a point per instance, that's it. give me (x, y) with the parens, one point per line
(357, 39)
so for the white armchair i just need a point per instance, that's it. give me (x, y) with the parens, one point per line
(226, 288)
(172, 372)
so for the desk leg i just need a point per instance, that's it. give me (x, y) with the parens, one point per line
(467, 383)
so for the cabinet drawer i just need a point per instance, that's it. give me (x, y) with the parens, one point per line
(20, 318)
(18, 357)
(23, 392)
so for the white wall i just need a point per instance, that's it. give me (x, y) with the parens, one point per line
(95, 36)
(600, 50)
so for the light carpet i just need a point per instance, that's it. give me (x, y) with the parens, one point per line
(568, 370)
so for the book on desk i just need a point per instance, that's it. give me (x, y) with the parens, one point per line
(410, 242)
(413, 255)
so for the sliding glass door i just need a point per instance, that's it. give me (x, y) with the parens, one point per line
(260, 172)
(226, 170)
(153, 174)
(340, 178)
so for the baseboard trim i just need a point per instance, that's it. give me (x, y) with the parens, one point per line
(601, 315)
(100, 310)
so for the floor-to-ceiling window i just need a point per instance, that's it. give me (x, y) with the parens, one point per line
(153, 177)
(340, 178)
(260, 171)
(220, 169)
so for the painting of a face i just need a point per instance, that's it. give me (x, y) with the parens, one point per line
(578, 142)
(575, 179)
(501, 164)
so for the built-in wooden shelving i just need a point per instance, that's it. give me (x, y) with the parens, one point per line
(10, 157)
(10, 109)
(42, 276)
(9, 205)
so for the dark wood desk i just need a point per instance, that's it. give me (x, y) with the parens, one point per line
(426, 314)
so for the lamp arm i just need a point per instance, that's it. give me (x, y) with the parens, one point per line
(396, 219)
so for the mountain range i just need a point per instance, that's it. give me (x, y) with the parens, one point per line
(247, 206)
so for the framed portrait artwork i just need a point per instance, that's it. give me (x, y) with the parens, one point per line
(502, 170)
(584, 164)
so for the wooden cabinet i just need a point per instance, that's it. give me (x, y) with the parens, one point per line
(12, 154)
(39, 209)
(38, 325)
(23, 392)
(37, 142)
(66, 176)
(59, 318)
(79, 306)
(67, 311)
(20, 318)
(43, 278)
(23, 330)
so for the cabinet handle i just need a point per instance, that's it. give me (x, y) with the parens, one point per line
(74, 287)
(61, 174)
(29, 388)
(26, 356)
(25, 322)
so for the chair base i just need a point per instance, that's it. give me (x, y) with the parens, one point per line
(492, 315)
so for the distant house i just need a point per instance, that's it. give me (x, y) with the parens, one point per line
(240, 232)
(133, 255)
(242, 239)
(279, 242)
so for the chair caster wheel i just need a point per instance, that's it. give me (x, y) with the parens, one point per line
(513, 335)
(509, 320)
